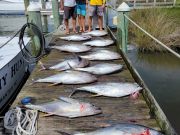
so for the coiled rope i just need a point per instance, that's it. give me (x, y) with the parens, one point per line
(21, 122)
(27, 55)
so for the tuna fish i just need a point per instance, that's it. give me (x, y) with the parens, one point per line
(66, 107)
(74, 48)
(102, 68)
(76, 62)
(99, 43)
(111, 89)
(69, 77)
(96, 33)
(76, 38)
(122, 129)
(102, 55)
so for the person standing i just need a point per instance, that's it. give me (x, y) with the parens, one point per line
(81, 12)
(96, 6)
(69, 7)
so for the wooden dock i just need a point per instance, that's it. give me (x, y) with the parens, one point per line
(115, 110)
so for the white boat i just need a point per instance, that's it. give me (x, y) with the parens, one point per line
(14, 70)
(16, 7)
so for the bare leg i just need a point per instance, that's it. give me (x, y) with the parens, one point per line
(67, 25)
(100, 22)
(79, 21)
(74, 24)
(83, 23)
(90, 23)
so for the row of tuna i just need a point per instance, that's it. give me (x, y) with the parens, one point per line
(76, 70)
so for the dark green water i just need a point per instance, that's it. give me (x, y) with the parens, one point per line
(161, 73)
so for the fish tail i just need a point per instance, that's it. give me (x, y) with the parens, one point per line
(32, 82)
(43, 67)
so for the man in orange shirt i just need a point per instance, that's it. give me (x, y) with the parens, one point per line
(96, 6)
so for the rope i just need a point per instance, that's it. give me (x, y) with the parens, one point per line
(10, 39)
(160, 43)
(163, 45)
(21, 122)
(27, 55)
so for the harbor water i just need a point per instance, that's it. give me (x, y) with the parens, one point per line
(161, 73)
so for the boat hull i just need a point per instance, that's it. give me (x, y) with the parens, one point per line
(12, 78)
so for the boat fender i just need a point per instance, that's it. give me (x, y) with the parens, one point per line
(26, 100)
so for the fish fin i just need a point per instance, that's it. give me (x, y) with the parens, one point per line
(70, 66)
(54, 84)
(42, 66)
(47, 115)
(77, 56)
(95, 95)
(63, 133)
(72, 93)
(68, 100)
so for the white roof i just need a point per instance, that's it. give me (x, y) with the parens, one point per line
(10, 50)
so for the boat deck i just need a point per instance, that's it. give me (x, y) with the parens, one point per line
(115, 110)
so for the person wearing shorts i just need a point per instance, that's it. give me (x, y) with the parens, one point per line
(81, 12)
(96, 7)
(69, 7)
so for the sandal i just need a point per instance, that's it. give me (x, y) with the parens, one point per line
(75, 32)
(67, 33)
(80, 31)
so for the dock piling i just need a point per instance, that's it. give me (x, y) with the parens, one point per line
(44, 17)
(122, 26)
(26, 4)
(35, 15)
(56, 16)
(35, 18)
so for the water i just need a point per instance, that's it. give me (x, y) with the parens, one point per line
(11, 24)
(161, 73)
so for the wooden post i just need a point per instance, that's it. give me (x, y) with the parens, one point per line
(35, 18)
(122, 26)
(154, 3)
(35, 15)
(45, 20)
(26, 4)
(174, 3)
(56, 17)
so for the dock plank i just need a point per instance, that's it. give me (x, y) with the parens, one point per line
(115, 110)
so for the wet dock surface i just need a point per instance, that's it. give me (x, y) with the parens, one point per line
(115, 110)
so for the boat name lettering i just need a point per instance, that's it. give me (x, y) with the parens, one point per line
(3, 81)
(16, 67)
